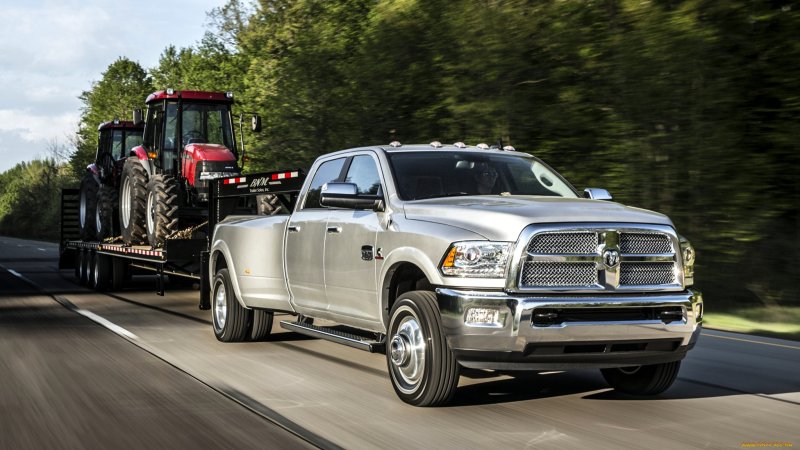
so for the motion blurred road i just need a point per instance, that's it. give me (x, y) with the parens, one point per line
(132, 369)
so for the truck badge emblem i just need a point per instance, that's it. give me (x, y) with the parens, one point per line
(611, 258)
(366, 252)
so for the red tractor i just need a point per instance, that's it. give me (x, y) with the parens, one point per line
(188, 140)
(99, 185)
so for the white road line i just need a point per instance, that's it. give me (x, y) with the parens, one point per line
(106, 323)
(41, 249)
(794, 347)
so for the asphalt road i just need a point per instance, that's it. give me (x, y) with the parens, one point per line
(132, 369)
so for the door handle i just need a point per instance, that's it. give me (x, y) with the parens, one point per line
(334, 229)
(294, 229)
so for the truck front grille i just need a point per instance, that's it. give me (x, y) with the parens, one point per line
(639, 274)
(601, 258)
(559, 274)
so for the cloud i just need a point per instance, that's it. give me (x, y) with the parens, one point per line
(32, 127)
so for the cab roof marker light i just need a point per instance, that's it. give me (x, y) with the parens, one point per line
(482, 146)
(436, 144)
(229, 94)
(460, 144)
(509, 148)
(116, 120)
(395, 144)
(170, 91)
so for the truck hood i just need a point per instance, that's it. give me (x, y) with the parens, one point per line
(503, 218)
(209, 152)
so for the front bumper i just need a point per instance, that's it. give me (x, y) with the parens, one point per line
(597, 331)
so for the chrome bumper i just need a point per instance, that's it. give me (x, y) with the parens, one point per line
(514, 342)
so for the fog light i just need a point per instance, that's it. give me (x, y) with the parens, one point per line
(484, 317)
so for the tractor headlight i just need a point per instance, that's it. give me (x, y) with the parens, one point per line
(688, 255)
(476, 259)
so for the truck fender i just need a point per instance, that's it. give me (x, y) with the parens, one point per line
(221, 248)
(409, 255)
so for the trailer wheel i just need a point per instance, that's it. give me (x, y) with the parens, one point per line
(642, 380)
(162, 209)
(231, 320)
(87, 207)
(423, 369)
(261, 325)
(132, 202)
(101, 264)
(106, 216)
(85, 257)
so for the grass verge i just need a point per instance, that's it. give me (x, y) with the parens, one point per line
(779, 322)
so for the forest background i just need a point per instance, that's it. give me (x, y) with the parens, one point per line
(689, 108)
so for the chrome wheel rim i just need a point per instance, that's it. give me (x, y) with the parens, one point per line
(220, 306)
(95, 271)
(125, 204)
(151, 212)
(407, 352)
(98, 220)
(82, 215)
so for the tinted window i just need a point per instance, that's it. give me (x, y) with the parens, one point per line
(364, 173)
(443, 174)
(116, 144)
(328, 171)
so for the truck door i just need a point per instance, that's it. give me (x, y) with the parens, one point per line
(305, 241)
(350, 238)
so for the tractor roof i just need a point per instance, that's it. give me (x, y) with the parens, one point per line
(190, 95)
(117, 124)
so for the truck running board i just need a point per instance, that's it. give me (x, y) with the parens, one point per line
(330, 334)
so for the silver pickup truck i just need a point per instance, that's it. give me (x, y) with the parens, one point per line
(453, 256)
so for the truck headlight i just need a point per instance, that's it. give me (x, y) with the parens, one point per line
(476, 259)
(688, 255)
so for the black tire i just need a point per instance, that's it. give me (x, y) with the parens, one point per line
(107, 217)
(268, 205)
(132, 202)
(119, 273)
(162, 209)
(85, 260)
(102, 272)
(231, 321)
(642, 380)
(428, 378)
(261, 324)
(87, 207)
(78, 265)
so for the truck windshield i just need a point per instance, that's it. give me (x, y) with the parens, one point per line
(432, 174)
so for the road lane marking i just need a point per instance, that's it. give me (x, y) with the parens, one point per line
(106, 323)
(41, 249)
(793, 347)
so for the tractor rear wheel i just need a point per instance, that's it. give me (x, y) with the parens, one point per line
(88, 205)
(162, 209)
(107, 204)
(132, 202)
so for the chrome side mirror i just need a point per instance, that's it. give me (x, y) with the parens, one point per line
(597, 194)
(345, 195)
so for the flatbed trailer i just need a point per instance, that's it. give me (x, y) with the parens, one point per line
(106, 265)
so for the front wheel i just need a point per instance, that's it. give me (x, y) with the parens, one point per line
(642, 380)
(87, 207)
(230, 319)
(106, 214)
(162, 209)
(423, 369)
(132, 202)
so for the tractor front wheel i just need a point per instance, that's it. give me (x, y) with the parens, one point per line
(162, 209)
(132, 202)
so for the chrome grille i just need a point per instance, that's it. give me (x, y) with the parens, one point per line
(558, 274)
(564, 243)
(644, 243)
(640, 274)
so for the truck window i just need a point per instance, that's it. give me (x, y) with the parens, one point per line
(328, 171)
(116, 144)
(364, 173)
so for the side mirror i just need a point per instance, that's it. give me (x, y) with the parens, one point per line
(256, 123)
(137, 116)
(345, 195)
(596, 194)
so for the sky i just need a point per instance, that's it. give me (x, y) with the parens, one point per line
(51, 51)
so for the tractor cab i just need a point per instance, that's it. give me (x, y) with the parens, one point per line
(189, 135)
(116, 140)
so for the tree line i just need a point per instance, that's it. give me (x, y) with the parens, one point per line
(687, 107)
